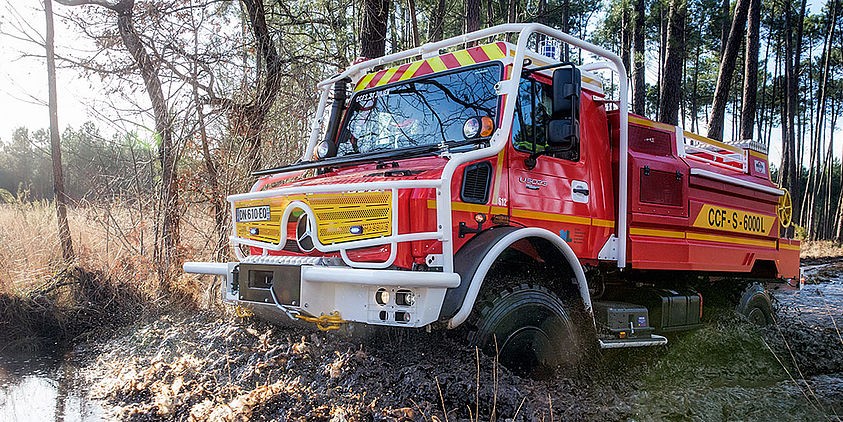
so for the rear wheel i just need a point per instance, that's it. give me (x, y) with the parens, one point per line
(755, 304)
(530, 329)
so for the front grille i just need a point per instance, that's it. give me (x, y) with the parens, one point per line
(291, 245)
(347, 217)
(340, 217)
(475, 183)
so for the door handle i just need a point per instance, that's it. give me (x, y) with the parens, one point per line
(581, 191)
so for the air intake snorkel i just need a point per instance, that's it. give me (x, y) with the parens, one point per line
(340, 96)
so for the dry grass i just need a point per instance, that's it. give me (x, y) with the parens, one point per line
(113, 281)
(117, 240)
(813, 249)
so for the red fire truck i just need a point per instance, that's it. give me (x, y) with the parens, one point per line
(479, 183)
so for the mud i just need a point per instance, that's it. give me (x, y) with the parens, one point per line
(206, 367)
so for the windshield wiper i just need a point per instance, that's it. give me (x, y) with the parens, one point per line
(353, 159)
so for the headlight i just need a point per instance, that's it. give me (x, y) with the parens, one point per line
(471, 128)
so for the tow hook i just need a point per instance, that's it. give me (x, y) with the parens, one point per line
(332, 321)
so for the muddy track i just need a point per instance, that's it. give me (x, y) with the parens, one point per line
(205, 367)
(211, 367)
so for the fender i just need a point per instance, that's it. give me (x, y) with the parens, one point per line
(473, 261)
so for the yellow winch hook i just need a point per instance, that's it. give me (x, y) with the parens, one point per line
(332, 321)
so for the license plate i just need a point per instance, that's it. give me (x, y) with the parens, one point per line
(245, 215)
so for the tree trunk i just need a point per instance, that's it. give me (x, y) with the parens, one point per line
(788, 172)
(750, 81)
(793, 60)
(760, 110)
(435, 24)
(167, 253)
(727, 68)
(626, 30)
(217, 197)
(724, 24)
(639, 89)
(373, 32)
(675, 55)
(254, 113)
(55, 142)
(822, 90)
(414, 22)
(695, 112)
(472, 15)
(809, 199)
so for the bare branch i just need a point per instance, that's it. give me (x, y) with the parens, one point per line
(108, 5)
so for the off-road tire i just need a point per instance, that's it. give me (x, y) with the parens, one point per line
(529, 327)
(755, 303)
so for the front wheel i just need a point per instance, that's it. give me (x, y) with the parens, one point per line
(530, 329)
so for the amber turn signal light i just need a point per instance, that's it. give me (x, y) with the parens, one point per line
(478, 127)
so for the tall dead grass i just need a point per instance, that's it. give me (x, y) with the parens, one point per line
(113, 281)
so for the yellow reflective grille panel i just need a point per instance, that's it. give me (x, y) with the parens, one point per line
(346, 217)
(340, 217)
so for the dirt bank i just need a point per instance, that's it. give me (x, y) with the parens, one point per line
(72, 303)
(204, 367)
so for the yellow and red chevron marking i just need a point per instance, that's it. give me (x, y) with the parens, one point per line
(474, 55)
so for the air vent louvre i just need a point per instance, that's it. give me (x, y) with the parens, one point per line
(475, 183)
(661, 188)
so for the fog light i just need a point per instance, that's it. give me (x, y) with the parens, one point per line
(382, 296)
(487, 126)
(254, 231)
(322, 150)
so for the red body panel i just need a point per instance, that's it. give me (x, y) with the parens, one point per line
(691, 222)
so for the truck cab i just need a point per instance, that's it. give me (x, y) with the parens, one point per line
(485, 184)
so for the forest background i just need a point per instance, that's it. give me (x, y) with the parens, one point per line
(195, 94)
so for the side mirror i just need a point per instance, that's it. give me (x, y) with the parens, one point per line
(563, 135)
(563, 129)
(566, 92)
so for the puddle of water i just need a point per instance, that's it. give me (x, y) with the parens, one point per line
(44, 389)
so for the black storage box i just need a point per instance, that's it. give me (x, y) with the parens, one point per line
(670, 310)
(624, 320)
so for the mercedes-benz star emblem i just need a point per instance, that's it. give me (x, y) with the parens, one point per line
(304, 233)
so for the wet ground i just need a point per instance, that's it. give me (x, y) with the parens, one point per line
(204, 367)
(44, 389)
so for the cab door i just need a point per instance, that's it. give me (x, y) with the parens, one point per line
(549, 191)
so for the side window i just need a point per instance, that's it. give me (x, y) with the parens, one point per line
(532, 112)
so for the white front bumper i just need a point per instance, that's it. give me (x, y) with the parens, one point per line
(350, 291)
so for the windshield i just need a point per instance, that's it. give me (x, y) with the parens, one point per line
(427, 111)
